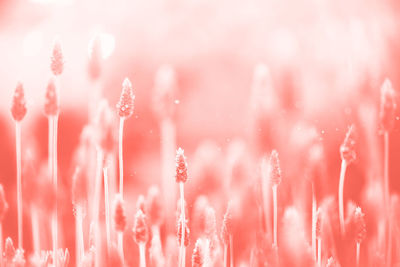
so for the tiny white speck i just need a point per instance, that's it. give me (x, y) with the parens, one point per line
(177, 101)
(322, 132)
(397, 118)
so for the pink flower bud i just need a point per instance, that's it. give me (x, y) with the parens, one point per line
(9, 250)
(119, 214)
(388, 106)
(360, 227)
(140, 228)
(198, 254)
(274, 169)
(347, 149)
(181, 167)
(179, 232)
(3, 203)
(227, 226)
(126, 101)
(18, 108)
(57, 59)
(51, 105)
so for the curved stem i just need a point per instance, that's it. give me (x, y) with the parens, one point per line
(121, 164)
(275, 199)
(19, 183)
(341, 185)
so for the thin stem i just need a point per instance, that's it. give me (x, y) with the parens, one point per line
(314, 222)
(341, 186)
(121, 245)
(54, 177)
(182, 248)
(80, 247)
(390, 233)
(1, 244)
(226, 255)
(35, 229)
(19, 183)
(142, 254)
(97, 185)
(107, 208)
(121, 164)
(386, 167)
(319, 252)
(275, 199)
(358, 254)
(231, 250)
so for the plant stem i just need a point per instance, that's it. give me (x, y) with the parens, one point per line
(54, 178)
(121, 245)
(226, 255)
(121, 164)
(182, 248)
(386, 168)
(107, 208)
(319, 252)
(97, 185)
(358, 254)
(19, 183)
(275, 199)
(35, 229)
(80, 247)
(1, 244)
(142, 254)
(231, 250)
(314, 222)
(341, 185)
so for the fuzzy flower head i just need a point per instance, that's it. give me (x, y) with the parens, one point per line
(52, 103)
(186, 241)
(198, 254)
(119, 214)
(360, 227)
(181, 167)
(125, 104)
(274, 169)
(57, 58)
(3, 203)
(140, 228)
(388, 106)
(347, 149)
(18, 108)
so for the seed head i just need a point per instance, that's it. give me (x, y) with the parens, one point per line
(119, 214)
(57, 58)
(227, 226)
(9, 250)
(52, 103)
(274, 169)
(181, 167)
(360, 227)
(3, 204)
(18, 108)
(198, 254)
(388, 106)
(140, 228)
(347, 149)
(105, 137)
(126, 101)
(179, 232)
(154, 206)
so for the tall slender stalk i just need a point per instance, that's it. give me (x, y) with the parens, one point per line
(19, 183)
(80, 246)
(120, 150)
(314, 222)
(319, 252)
(341, 186)
(35, 229)
(231, 250)
(182, 248)
(107, 208)
(1, 244)
(121, 245)
(358, 254)
(275, 200)
(226, 255)
(142, 254)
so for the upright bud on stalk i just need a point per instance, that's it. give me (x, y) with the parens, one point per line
(18, 108)
(9, 251)
(347, 149)
(119, 214)
(227, 226)
(181, 167)
(388, 106)
(360, 228)
(51, 105)
(57, 59)
(140, 228)
(105, 137)
(179, 233)
(3, 204)
(198, 254)
(274, 169)
(126, 101)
